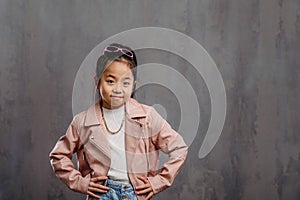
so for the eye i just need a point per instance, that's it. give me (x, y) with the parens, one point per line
(109, 81)
(126, 83)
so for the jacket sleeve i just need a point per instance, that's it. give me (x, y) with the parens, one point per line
(170, 142)
(61, 160)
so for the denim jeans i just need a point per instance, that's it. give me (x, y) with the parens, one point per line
(117, 191)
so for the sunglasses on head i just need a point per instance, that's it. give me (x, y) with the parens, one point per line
(115, 49)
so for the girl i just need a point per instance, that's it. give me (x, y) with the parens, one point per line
(117, 139)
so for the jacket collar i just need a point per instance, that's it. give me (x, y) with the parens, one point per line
(133, 110)
(93, 115)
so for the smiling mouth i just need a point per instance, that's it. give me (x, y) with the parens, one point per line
(119, 97)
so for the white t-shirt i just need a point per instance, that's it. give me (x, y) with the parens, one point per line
(118, 167)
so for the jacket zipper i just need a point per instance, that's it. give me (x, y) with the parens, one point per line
(97, 146)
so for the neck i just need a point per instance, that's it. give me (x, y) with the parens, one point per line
(120, 108)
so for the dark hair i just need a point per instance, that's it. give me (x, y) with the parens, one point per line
(116, 56)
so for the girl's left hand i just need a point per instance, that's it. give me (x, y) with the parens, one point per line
(145, 188)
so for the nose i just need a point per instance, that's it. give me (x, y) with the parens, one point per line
(118, 88)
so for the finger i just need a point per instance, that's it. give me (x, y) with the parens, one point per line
(149, 195)
(96, 190)
(142, 179)
(100, 186)
(93, 195)
(139, 187)
(99, 178)
(97, 185)
(102, 189)
(144, 191)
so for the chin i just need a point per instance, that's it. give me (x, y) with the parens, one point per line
(117, 104)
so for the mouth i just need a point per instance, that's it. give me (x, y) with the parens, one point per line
(117, 97)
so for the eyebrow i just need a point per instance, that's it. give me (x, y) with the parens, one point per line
(112, 76)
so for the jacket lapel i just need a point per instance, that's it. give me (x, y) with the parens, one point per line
(93, 115)
(135, 117)
(97, 133)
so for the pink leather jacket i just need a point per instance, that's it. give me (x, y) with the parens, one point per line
(146, 133)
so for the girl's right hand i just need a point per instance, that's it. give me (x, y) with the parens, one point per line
(96, 187)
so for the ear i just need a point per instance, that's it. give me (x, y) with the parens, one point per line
(134, 85)
(96, 82)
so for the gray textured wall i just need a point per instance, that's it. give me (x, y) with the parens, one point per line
(255, 45)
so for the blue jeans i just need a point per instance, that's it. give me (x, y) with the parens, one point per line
(117, 191)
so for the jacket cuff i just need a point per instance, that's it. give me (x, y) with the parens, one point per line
(158, 184)
(83, 184)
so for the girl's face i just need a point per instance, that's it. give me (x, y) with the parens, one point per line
(116, 85)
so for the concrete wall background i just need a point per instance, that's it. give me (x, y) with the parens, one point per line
(255, 44)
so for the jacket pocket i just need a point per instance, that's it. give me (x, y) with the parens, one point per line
(96, 154)
(140, 161)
